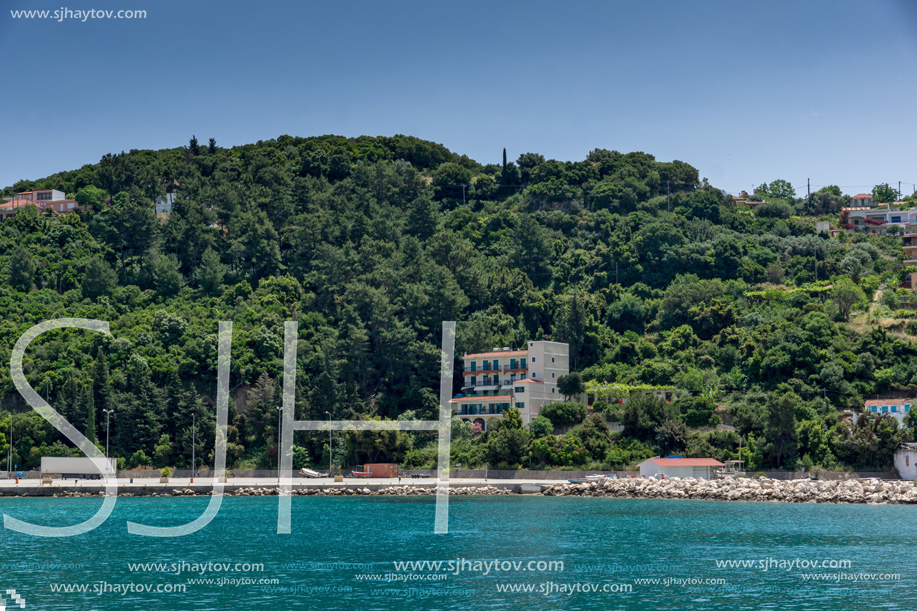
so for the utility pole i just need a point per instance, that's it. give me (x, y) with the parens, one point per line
(808, 187)
(899, 189)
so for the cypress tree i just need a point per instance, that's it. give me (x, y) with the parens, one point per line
(101, 386)
(90, 414)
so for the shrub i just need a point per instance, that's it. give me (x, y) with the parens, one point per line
(563, 413)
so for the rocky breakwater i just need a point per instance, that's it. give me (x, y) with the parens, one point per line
(746, 489)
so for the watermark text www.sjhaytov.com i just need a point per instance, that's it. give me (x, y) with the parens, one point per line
(66, 14)
(465, 565)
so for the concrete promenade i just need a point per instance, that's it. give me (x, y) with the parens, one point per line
(203, 485)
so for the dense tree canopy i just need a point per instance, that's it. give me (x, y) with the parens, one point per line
(651, 275)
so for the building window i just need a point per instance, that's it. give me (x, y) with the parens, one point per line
(552, 359)
(884, 409)
(874, 409)
(474, 365)
(520, 406)
(485, 366)
(552, 374)
(496, 380)
(474, 380)
(512, 363)
(520, 389)
(533, 359)
(496, 364)
(894, 408)
(44, 197)
(512, 378)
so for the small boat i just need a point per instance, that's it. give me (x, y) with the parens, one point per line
(361, 472)
(730, 469)
(592, 478)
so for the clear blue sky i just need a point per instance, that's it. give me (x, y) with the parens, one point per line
(746, 92)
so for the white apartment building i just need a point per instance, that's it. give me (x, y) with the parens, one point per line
(525, 379)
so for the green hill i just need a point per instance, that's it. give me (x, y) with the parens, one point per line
(652, 276)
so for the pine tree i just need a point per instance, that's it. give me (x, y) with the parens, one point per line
(212, 146)
(22, 268)
(211, 272)
(139, 421)
(99, 279)
(193, 147)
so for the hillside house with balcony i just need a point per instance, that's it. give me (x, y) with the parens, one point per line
(43, 199)
(526, 379)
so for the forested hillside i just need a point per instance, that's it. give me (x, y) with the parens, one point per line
(653, 276)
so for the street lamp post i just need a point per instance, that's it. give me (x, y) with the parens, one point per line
(279, 432)
(329, 443)
(108, 413)
(9, 464)
(193, 443)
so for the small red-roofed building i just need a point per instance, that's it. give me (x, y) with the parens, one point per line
(862, 200)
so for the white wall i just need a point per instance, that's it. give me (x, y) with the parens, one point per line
(906, 463)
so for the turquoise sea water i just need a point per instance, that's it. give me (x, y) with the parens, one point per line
(602, 543)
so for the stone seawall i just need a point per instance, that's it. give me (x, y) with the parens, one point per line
(873, 491)
(168, 491)
(746, 489)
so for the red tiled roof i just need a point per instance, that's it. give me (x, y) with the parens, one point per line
(686, 462)
(480, 399)
(862, 196)
(527, 381)
(488, 354)
(891, 402)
